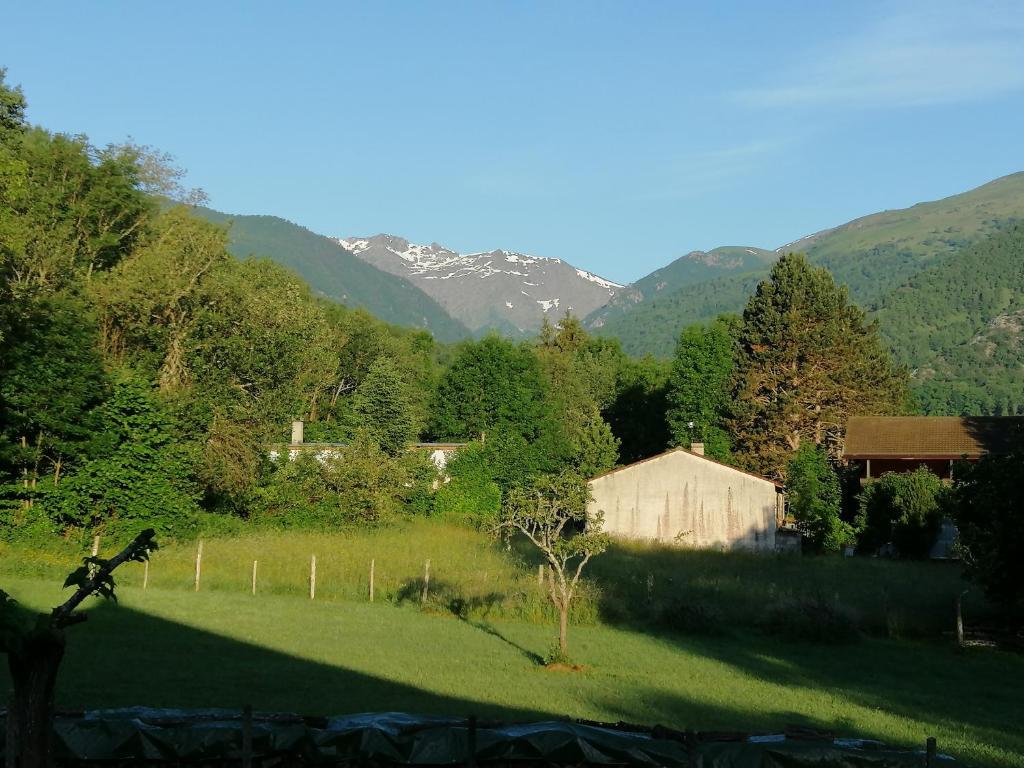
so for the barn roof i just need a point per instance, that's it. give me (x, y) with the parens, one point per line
(670, 451)
(930, 437)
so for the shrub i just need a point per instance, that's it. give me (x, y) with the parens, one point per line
(471, 496)
(813, 618)
(557, 657)
(812, 486)
(904, 510)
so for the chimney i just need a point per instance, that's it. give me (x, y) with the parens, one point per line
(296, 432)
(697, 448)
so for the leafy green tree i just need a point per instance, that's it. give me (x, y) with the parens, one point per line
(141, 474)
(902, 509)
(385, 408)
(552, 514)
(577, 385)
(53, 382)
(636, 413)
(491, 383)
(986, 505)
(815, 497)
(699, 387)
(152, 301)
(808, 359)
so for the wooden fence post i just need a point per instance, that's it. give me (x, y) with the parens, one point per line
(247, 736)
(312, 577)
(199, 563)
(426, 581)
(254, 564)
(958, 605)
(145, 573)
(929, 752)
(373, 563)
(95, 545)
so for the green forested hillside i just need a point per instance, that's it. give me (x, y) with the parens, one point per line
(336, 273)
(942, 275)
(959, 326)
(653, 326)
(874, 253)
(661, 287)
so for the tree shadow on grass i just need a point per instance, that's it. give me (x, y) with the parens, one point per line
(445, 597)
(122, 657)
(976, 693)
(483, 626)
(981, 744)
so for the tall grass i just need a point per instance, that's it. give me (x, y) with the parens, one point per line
(473, 575)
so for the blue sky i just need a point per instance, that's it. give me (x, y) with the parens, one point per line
(617, 136)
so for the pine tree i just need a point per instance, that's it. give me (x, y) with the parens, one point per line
(808, 360)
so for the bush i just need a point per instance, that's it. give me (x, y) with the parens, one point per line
(812, 618)
(471, 496)
(359, 485)
(904, 510)
(815, 498)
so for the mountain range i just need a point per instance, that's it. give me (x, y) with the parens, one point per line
(944, 279)
(494, 290)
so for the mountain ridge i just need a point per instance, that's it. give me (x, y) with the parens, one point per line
(487, 290)
(335, 273)
(872, 255)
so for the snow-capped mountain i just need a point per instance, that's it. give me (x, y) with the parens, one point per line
(497, 289)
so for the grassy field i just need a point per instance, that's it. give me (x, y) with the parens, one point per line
(168, 646)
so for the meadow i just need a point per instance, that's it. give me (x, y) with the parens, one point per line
(475, 647)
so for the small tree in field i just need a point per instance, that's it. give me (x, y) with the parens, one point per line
(552, 514)
(34, 644)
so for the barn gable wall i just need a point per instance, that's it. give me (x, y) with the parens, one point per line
(683, 498)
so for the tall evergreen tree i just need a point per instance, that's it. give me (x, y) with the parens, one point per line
(698, 389)
(808, 360)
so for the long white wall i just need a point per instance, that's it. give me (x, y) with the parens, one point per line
(685, 498)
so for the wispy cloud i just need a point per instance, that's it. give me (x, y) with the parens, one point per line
(939, 54)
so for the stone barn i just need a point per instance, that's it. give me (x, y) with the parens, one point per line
(684, 497)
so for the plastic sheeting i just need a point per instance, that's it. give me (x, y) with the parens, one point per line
(213, 736)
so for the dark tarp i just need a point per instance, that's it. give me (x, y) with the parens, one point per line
(213, 736)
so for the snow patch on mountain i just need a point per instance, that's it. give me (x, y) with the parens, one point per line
(596, 279)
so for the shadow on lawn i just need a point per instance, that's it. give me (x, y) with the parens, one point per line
(975, 693)
(122, 657)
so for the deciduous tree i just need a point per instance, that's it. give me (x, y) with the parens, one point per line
(552, 514)
(699, 387)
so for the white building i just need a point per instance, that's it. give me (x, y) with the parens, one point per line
(684, 497)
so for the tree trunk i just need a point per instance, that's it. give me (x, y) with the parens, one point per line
(563, 628)
(34, 673)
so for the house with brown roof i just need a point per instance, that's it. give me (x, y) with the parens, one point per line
(880, 444)
(683, 497)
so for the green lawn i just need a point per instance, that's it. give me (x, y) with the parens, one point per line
(168, 646)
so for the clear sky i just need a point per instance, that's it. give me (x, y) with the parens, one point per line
(617, 136)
